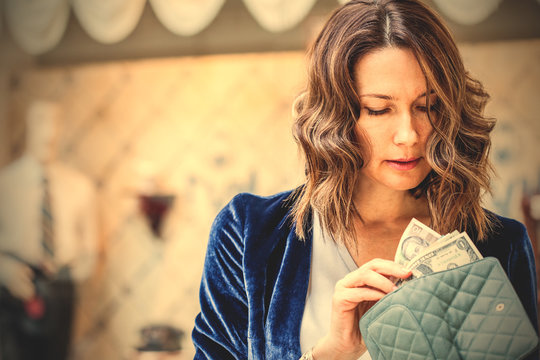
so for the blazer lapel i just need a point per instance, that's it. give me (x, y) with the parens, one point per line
(288, 296)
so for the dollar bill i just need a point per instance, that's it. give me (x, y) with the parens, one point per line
(448, 236)
(454, 251)
(415, 238)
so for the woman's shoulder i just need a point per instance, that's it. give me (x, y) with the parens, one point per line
(249, 207)
(506, 236)
(256, 215)
(507, 228)
(250, 199)
(251, 226)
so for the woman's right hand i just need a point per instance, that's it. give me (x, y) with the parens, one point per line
(17, 277)
(353, 296)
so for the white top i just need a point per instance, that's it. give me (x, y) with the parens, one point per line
(73, 208)
(330, 262)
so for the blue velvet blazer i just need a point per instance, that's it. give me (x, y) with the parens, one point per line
(256, 274)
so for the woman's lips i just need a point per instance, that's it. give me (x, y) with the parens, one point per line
(403, 164)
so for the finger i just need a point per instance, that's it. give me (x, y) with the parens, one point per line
(351, 297)
(387, 267)
(28, 272)
(365, 277)
(23, 275)
(23, 291)
(26, 288)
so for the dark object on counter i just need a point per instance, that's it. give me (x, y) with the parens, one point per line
(160, 338)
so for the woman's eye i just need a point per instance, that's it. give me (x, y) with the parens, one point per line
(377, 112)
(433, 107)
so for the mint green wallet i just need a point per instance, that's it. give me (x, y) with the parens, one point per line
(469, 312)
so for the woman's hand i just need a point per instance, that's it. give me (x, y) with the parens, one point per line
(17, 278)
(353, 296)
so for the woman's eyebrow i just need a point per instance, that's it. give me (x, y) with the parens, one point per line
(424, 94)
(389, 97)
(379, 96)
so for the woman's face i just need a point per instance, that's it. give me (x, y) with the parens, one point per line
(393, 118)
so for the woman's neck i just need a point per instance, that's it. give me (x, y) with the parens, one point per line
(383, 205)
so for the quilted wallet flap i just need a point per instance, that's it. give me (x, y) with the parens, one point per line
(397, 325)
(470, 312)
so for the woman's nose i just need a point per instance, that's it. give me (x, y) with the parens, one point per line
(405, 132)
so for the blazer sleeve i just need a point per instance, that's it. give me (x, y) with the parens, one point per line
(522, 271)
(221, 327)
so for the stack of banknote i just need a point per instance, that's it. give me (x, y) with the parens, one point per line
(424, 251)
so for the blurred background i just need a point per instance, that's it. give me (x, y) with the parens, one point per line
(170, 108)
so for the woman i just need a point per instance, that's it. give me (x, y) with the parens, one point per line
(391, 126)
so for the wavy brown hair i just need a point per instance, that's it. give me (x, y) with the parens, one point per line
(327, 111)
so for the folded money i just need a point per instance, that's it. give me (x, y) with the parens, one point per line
(415, 238)
(423, 251)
